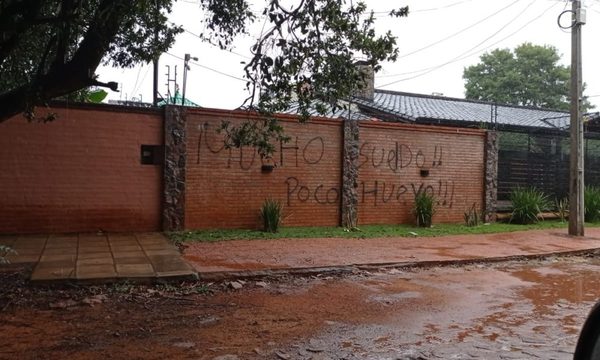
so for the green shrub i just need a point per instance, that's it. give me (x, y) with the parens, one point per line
(4, 251)
(591, 203)
(561, 208)
(472, 216)
(271, 215)
(527, 205)
(424, 209)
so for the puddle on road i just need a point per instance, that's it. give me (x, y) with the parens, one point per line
(476, 310)
(517, 308)
(560, 285)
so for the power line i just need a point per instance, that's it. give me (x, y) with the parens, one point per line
(136, 79)
(208, 42)
(142, 81)
(467, 53)
(428, 9)
(208, 68)
(459, 32)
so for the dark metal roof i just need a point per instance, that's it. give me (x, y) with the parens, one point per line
(354, 113)
(410, 107)
(416, 106)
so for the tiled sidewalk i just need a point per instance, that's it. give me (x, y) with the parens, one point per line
(103, 256)
(235, 258)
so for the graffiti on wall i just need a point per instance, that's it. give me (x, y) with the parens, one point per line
(398, 156)
(303, 192)
(244, 156)
(295, 153)
(302, 152)
(379, 192)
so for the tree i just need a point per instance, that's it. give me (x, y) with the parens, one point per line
(52, 48)
(529, 76)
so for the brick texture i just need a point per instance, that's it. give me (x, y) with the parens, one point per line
(81, 172)
(226, 187)
(396, 161)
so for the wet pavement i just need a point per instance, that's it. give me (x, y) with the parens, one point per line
(97, 256)
(516, 310)
(238, 258)
(531, 309)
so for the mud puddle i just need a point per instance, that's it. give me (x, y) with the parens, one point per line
(510, 310)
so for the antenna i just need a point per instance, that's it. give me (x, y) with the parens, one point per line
(186, 67)
(170, 98)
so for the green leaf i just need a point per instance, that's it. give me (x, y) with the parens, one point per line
(97, 96)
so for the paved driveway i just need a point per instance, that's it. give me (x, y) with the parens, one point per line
(101, 256)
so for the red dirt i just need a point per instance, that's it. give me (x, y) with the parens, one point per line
(440, 311)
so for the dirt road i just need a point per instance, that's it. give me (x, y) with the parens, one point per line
(514, 310)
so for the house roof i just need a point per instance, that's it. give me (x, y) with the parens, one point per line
(351, 112)
(176, 100)
(413, 107)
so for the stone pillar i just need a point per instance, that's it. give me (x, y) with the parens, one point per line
(350, 174)
(491, 176)
(174, 169)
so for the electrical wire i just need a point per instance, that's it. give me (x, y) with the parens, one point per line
(207, 68)
(459, 32)
(211, 44)
(136, 79)
(430, 9)
(469, 52)
(560, 16)
(142, 81)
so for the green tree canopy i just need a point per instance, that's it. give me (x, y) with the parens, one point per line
(52, 48)
(530, 75)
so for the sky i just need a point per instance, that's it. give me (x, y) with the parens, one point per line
(436, 42)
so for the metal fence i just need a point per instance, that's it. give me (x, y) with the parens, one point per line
(542, 161)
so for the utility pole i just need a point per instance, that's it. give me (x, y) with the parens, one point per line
(155, 60)
(576, 184)
(186, 68)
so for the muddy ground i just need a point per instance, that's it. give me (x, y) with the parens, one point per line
(512, 310)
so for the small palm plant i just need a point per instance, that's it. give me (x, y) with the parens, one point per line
(424, 209)
(591, 203)
(472, 216)
(561, 207)
(527, 205)
(271, 213)
(4, 252)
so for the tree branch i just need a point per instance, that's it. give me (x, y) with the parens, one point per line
(76, 73)
(10, 30)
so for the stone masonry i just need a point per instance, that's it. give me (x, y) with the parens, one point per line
(491, 176)
(350, 174)
(174, 169)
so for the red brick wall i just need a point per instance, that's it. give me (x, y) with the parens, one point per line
(81, 172)
(225, 188)
(392, 157)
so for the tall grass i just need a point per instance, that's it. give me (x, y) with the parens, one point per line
(271, 213)
(424, 209)
(472, 216)
(561, 208)
(527, 205)
(4, 252)
(592, 203)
